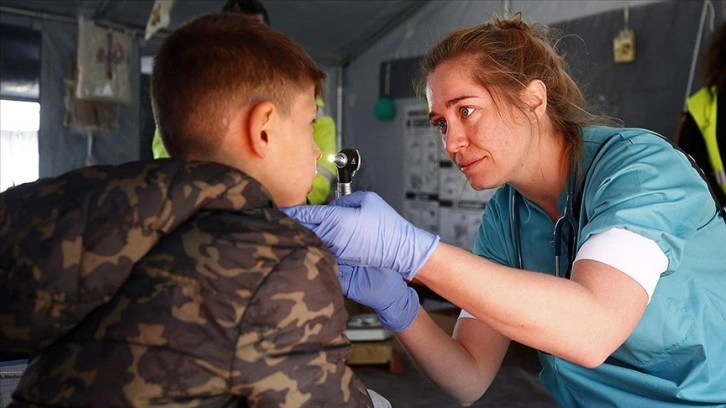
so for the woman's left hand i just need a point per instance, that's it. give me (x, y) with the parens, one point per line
(362, 229)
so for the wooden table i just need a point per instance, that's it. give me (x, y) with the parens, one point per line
(377, 352)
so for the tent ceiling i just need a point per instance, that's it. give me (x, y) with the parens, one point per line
(332, 31)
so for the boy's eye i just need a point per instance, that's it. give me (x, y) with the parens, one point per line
(466, 111)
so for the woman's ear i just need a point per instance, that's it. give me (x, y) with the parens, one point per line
(260, 125)
(535, 96)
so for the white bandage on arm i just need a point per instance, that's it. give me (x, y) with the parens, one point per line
(466, 315)
(634, 255)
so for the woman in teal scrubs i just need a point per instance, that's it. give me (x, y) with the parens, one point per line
(603, 249)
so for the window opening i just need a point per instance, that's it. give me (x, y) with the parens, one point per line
(19, 159)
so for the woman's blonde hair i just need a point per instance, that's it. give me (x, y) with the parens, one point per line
(505, 56)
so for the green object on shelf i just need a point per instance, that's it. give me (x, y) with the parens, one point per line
(385, 109)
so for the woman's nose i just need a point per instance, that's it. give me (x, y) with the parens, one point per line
(454, 140)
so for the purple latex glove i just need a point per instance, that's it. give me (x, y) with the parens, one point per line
(384, 291)
(362, 229)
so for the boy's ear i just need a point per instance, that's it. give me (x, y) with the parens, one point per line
(260, 125)
(535, 95)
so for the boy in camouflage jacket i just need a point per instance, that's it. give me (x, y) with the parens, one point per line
(179, 282)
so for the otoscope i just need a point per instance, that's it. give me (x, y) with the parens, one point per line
(348, 162)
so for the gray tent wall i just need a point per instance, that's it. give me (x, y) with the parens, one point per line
(381, 143)
(62, 149)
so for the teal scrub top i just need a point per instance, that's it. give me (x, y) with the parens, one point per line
(635, 180)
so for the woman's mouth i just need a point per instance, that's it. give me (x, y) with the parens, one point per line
(468, 167)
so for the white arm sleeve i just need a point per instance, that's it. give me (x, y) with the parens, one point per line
(466, 315)
(634, 255)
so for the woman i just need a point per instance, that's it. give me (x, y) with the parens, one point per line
(633, 313)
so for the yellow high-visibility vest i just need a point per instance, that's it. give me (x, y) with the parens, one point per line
(325, 136)
(702, 107)
(157, 146)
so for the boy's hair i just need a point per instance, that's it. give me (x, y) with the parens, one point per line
(216, 64)
(247, 7)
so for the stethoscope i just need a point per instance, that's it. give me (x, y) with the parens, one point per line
(571, 215)
(567, 220)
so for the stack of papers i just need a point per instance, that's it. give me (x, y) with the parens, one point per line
(10, 373)
(366, 327)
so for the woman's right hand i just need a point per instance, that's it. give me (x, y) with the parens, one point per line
(362, 229)
(384, 291)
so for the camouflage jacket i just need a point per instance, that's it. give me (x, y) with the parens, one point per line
(168, 283)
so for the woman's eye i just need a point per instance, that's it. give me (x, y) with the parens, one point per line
(441, 125)
(466, 111)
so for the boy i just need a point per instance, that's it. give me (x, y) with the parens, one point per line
(179, 281)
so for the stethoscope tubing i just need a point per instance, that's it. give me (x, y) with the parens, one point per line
(574, 202)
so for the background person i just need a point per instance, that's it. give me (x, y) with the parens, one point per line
(703, 135)
(252, 10)
(179, 282)
(629, 313)
(325, 137)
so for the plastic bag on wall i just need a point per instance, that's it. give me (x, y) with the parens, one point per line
(159, 17)
(87, 115)
(103, 63)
